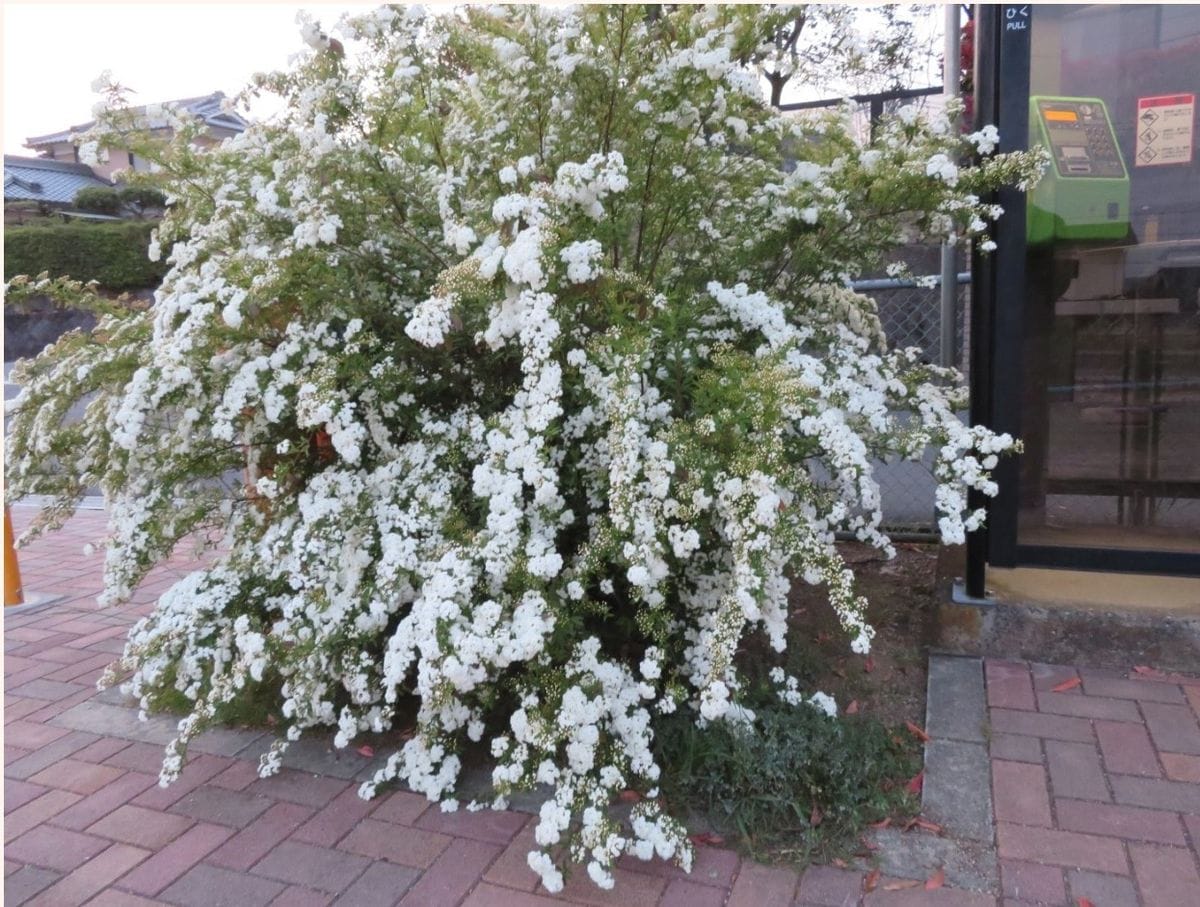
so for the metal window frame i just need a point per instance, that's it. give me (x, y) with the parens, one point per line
(1002, 88)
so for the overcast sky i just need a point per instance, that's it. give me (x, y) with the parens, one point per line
(53, 51)
(163, 51)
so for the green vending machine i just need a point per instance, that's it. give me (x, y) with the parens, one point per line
(1084, 194)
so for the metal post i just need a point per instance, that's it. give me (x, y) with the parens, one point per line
(950, 83)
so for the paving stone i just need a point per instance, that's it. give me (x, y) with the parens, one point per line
(95, 806)
(26, 882)
(140, 827)
(491, 825)
(1102, 890)
(224, 807)
(712, 866)
(1032, 882)
(91, 878)
(632, 889)
(254, 841)
(31, 736)
(240, 775)
(1075, 770)
(1180, 767)
(381, 841)
(113, 897)
(1173, 727)
(488, 895)
(763, 886)
(35, 812)
(1088, 706)
(918, 897)
(1166, 876)
(1036, 724)
(313, 867)
(1020, 793)
(1046, 677)
(168, 864)
(452, 875)
(956, 706)
(1119, 688)
(196, 771)
(54, 848)
(298, 787)
(402, 807)
(681, 893)
(316, 755)
(957, 788)
(1126, 748)
(141, 757)
(1016, 748)
(335, 821)
(295, 896)
(1061, 848)
(511, 868)
(101, 750)
(49, 690)
(48, 755)
(18, 793)
(829, 886)
(74, 775)
(915, 855)
(1120, 821)
(1175, 796)
(212, 886)
(381, 885)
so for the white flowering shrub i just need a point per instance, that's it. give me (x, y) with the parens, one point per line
(511, 370)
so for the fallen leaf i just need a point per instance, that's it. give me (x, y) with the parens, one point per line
(869, 664)
(815, 818)
(1084, 902)
(902, 884)
(868, 844)
(917, 732)
(871, 880)
(882, 823)
(707, 838)
(629, 796)
(928, 826)
(840, 863)
(852, 708)
(918, 781)
(366, 750)
(1146, 671)
(937, 880)
(1067, 685)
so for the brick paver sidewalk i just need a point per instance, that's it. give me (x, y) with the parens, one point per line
(1097, 793)
(1096, 776)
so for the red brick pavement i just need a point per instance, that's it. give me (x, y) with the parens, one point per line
(1096, 790)
(1094, 787)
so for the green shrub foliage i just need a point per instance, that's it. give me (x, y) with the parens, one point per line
(111, 254)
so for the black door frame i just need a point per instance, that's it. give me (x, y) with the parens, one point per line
(998, 288)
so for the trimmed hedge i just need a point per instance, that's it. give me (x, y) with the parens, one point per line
(112, 254)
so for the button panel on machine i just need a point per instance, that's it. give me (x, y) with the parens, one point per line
(1081, 139)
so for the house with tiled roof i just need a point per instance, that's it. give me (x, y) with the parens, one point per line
(35, 185)
(211, 109)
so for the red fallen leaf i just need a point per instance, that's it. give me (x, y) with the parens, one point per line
(1067, 685)
(815, 819)
(871, 880)
(852, 708)
(869, 664)
(917, 732)
(1084, 902)
(901, 884)
(927, 825)
(629, 796)
(840, 863)
(1146, 671)
(918, 781)
(882, 823)
(937, 880)
(366, 750)
(868, 844)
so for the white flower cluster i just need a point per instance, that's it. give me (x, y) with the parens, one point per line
(512, 395)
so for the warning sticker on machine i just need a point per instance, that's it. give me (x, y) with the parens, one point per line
(1164, 129)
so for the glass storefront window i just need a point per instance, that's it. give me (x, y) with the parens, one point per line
(1111, 397)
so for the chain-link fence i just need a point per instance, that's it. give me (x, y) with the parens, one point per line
(910, 311)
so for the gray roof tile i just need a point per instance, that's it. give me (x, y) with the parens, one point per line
(43, 180)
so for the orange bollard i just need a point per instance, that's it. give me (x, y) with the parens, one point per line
(13, 594)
